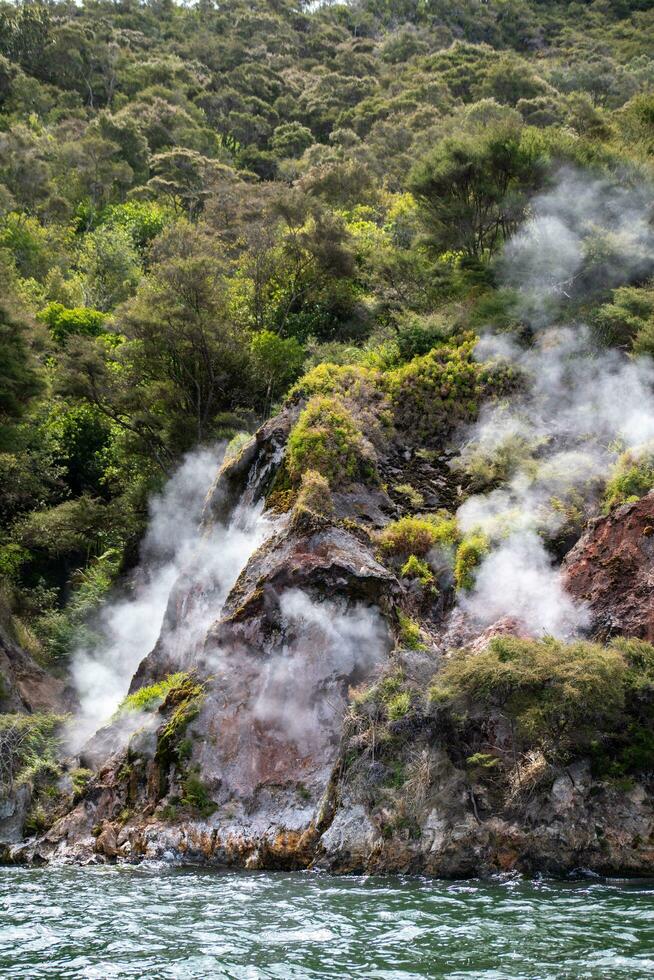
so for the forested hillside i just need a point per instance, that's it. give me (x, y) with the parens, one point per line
(200, 203)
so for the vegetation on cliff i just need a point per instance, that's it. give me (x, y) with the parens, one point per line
(213, 210)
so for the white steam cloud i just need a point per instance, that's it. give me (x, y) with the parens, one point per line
(584, 234)
(581, 408)
(299, 686)
(175, 545)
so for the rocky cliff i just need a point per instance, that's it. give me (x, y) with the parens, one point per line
(299, 731)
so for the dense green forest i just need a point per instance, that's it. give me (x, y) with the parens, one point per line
(200, 203)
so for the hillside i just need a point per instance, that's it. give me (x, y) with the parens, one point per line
(327, 434)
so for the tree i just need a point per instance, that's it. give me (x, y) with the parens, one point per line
(110, 266)
(185, 342)
(276, 363)
(473, 189)
(183, 177)
(19, 379)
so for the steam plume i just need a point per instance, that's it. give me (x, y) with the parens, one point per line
(581, 408)
(174, 545)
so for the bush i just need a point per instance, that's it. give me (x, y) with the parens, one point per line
(487, 466)
(469, 555)
(622, 322)
(418, 535)
(431, 394)
(153, 696)
(562, 698)
(419, 335)
(327, 439)
(409, 633)
(72, 528)
(28, 748)
(631, 478)
(352, 381)
(415, 567)
(63, 322)
(314, 496)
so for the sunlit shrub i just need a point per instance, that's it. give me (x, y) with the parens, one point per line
(563, 699)
(469, 555)
(631, 478)
(327, 439)
(418, 535)
(431, 394)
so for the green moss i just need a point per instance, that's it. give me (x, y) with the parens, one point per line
(327, 439)
(469, 556)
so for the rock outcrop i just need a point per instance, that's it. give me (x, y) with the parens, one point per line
(611, 568)
(25, 685)
(269, 752)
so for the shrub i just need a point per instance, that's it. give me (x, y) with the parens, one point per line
(622, 322)
(632, 477)
(413, 497)
(398, 706)
(69, 529)
(415, 567)
(151, 697)
(237, 444)
(469, 555)
(314, 496)
(418, 535)
(184, 697)
(418, 335)
(487, 466)
(327, 439)
(196, 796)
(431, 394)
(63, 322)
(28, 748)
(562, 698)
(409, 635)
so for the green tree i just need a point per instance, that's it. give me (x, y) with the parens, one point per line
(473, 189)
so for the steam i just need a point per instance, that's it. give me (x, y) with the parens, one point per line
(584, 235)
(174, 546)
(581, 407)
(299, 687)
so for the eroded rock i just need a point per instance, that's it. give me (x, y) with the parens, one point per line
(611, 569)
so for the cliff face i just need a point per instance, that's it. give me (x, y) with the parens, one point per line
(612, 569)
(273, 749)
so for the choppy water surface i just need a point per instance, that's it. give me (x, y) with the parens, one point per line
(159, 923)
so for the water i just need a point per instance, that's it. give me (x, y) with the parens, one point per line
(165, 922)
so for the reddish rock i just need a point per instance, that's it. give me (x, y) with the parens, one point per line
(612, 569)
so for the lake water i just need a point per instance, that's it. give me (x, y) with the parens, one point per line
(170, 922)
